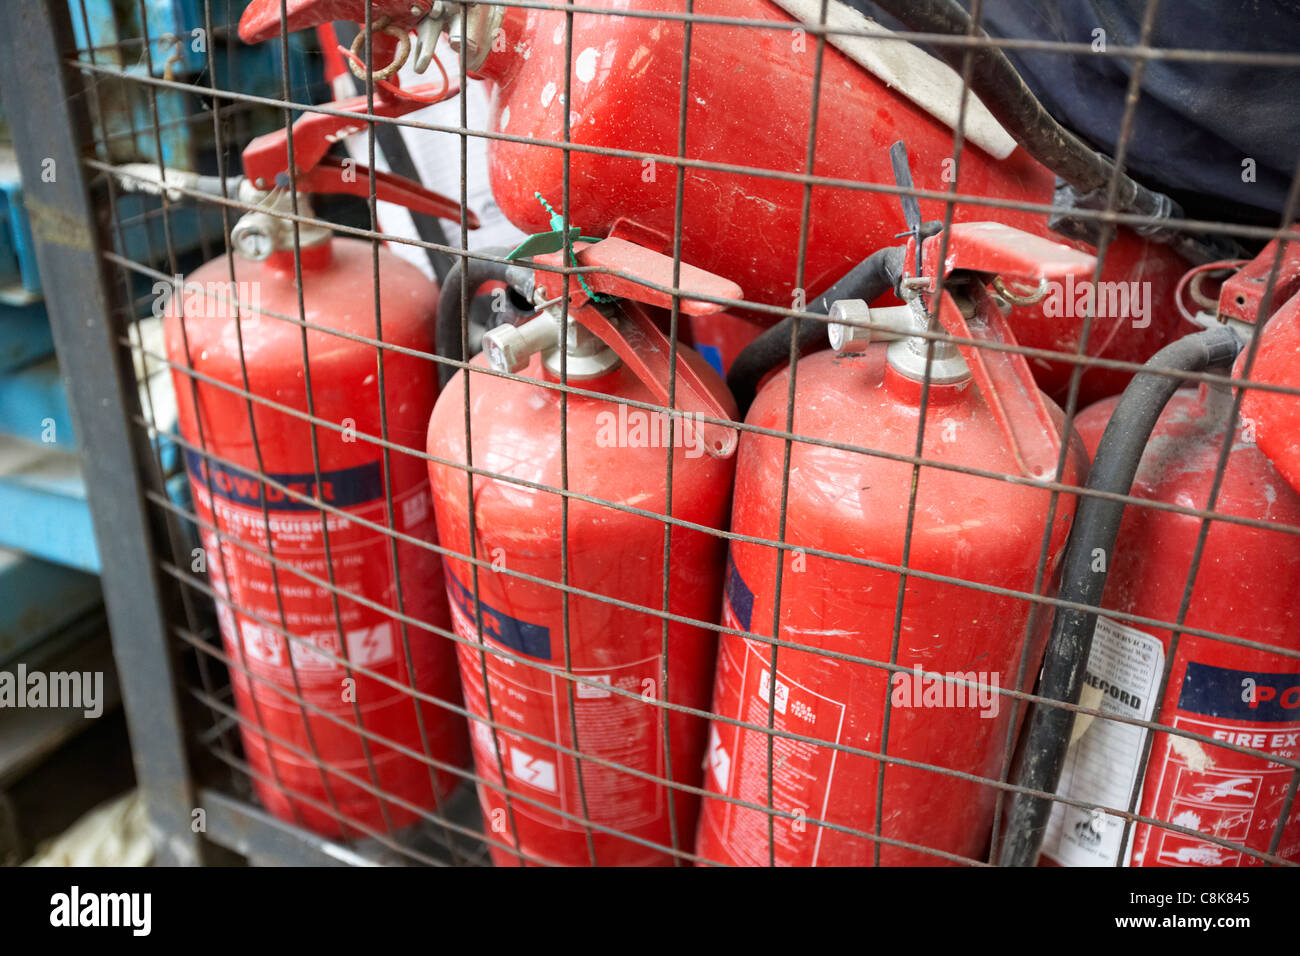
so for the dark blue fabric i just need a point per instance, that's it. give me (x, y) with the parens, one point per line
(1195, 122)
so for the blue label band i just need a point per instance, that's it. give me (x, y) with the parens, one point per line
(342, 487)
(739, 595)
(1254, 696)
(531, 640)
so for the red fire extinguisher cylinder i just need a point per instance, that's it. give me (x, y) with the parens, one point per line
(1211, 801)
(528, 620)
(325, 660)
(831, 693)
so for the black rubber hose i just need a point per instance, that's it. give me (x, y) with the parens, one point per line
(999, 86)
(447, 330)
(1096, 525)
(868, 280)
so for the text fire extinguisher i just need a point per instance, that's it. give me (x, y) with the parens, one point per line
(293, 515)
(528, 621)
(1231, 701)
(957, 645)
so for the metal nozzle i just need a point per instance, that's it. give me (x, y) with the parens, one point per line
(510, 347)
(260, 232)
(254, 235)
(854, 324)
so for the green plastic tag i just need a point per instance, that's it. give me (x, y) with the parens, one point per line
(545, 242)
(554, 241)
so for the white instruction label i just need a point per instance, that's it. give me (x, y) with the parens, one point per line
(1101, 765)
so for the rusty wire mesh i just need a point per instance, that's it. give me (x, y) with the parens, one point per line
(447, 828)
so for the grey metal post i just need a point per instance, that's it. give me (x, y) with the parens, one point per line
(46, 110)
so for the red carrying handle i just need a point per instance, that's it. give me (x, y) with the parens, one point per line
(1242, 294)
(637, 339)
(266, 158)
(331, 176)
(1006, 383)
(1003, 377)
(261, 18)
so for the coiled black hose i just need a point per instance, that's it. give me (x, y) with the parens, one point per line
(1096, 525)
(868, 280)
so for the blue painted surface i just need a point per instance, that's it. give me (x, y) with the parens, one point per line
(103, 23)
(95, 24)
(142, 237)
(24, 336)
(171, 25)
(128, 121)
(713, 357)
(43, 500)
(38, 598)
(34, 406)
(43, 509)
(17, 254)
(257, 70)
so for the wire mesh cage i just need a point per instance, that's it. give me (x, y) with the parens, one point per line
(868, 600)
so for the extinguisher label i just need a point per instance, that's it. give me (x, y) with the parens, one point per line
(1233, 796)
(531, 640)
(740, 599)
(340, 487)
(366, 646)
(614, 727)
(1101, 766)
(737, 758)
(1240, 695)
(358, 561)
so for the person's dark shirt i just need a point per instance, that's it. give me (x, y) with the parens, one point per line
(1196, 122)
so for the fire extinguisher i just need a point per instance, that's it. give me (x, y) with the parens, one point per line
(755, 85)
(1233, 702)
(961, 643)
(549, 670)
(1274, 416)
(301, 509)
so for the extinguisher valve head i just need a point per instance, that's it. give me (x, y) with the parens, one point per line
(260, 232)
(916, 358)
(253, 236)
(471, 33)
(847, 329)
(427, 32)
(510, 347)
(854, 324)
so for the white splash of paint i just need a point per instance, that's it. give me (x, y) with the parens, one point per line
(548, 94)
(505, 118)
(585, 67)
(1191, 751)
